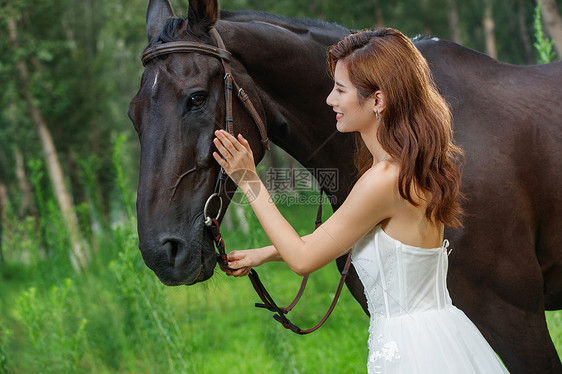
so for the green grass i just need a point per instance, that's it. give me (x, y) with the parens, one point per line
(118, 318)
(554, 322)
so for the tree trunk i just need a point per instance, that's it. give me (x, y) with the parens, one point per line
(453, 18)
(523, 30)
(379, 19)
(241, 218)
(553, 23)
(23, 183)
(78, 252)
(3, 207)
(489, 26)
(76, 183)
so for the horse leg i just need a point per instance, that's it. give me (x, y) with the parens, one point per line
(519, 337)
(354, 284)
(503, 295)
(550, 258)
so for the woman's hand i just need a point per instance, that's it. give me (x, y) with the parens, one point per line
(237, 158)
(241, 262)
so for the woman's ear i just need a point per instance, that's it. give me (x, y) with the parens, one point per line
(380, 102)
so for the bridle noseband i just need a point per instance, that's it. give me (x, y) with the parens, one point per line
(212, 224)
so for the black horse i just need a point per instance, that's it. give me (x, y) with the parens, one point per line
(506, 266)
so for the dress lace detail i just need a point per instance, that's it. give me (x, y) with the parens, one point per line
(414, 327)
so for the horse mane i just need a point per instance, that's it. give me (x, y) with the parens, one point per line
(296, 25)
(172, 29)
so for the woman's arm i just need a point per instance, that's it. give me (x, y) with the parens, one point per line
(241, 261)
(372, 199)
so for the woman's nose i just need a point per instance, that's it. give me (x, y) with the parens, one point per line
(330, 99)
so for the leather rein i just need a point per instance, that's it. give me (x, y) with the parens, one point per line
(212, 224)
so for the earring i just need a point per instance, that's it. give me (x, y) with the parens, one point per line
(378, 116)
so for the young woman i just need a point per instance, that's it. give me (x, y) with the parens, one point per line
(393, 218)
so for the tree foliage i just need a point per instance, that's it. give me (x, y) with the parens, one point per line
(542, 45)
(83, 56)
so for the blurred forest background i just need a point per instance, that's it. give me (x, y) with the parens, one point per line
(68, 69)
(69, 154)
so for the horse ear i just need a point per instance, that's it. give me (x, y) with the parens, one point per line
(157, 13)
(203, 14)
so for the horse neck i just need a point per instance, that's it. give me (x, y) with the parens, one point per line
(289, 70)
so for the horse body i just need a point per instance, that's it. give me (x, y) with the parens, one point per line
(506, 264)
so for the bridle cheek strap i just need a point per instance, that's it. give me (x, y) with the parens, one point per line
(229, 85)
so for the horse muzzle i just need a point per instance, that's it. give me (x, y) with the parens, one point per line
(176, 263)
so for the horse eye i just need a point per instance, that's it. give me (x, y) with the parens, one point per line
(197, 99)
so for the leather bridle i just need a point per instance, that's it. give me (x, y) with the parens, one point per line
(224, 56)
(212, 224)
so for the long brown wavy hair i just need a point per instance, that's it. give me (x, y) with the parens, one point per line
(416, 125)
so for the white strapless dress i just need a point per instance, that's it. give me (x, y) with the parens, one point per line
(414, 326)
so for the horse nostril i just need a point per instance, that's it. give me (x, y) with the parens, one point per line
(175, 262)
(172, 251)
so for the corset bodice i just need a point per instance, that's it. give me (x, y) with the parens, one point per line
(398, 278)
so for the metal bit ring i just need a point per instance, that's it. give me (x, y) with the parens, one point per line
(208, 220)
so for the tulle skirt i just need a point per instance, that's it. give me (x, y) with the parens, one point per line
(441, 341)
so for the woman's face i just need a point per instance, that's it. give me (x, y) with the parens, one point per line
(351, 113)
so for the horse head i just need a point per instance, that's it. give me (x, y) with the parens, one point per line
(178, 107)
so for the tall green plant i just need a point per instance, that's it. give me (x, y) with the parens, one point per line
(53, 234)
(56, 337)
(126, 195)
(5, 335)
(89, 169)
(542, 44)
(149, 320)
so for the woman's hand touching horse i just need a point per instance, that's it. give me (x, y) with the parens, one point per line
(242, 261)
(239, 263)
(236, 157)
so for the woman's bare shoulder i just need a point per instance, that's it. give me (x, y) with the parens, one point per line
(382, 175)
(378, 185)
(374, 198)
